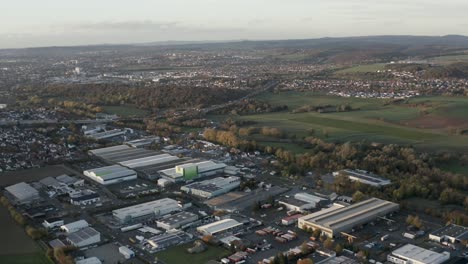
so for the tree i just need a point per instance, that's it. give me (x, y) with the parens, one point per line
(338, 248)
(358, 196)
(328, 243)
(305, 249)
(317, 232)
(305, 261)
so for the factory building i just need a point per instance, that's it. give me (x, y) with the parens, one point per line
(22, 193)
(332, 221)
(170, 238)
(84, 197)
(213, 187)
(110, 174)
(100, 151)
(190, 171)
(91, 260)
(146, 210)
(126, 252)
(177, 220)
(52, 223)
(74, 226)
(411, 254)
(363, 177)
(84, 237)
(450, 233)
(218, 227)
(302, 202)
(148, 161)
(143, 142)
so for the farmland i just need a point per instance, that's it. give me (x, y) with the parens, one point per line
(424, 122)
(17, 247)
(125, 111)
(179, 254)
(363, 68)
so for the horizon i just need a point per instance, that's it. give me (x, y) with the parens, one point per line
(27, 23)
(189, 42)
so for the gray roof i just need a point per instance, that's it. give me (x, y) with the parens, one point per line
(83, 234)
(452, 230)
(22, 191)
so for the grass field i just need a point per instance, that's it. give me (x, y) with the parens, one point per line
(17, 247)
(374, 121)
(125, 111)
(179, 255)
(450, 59)
(34, 258)
(363, 68)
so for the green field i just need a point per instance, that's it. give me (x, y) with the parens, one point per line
(125, 111)
(373, 121)
(179, 254)
(450, 59)
(35, 258)
(17, 247)
(363, 68)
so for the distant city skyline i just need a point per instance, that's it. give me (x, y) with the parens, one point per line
(30, 23)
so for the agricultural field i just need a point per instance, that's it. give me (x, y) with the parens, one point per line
(449, 59)
(363, 68)
(179, 254)
(125, 111)
(17, 247)
(428, 123)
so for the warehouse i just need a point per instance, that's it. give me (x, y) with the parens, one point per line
(213, 187)
(84, 197)
(146, 210)
(22, 193)
(332, 221)
(177, 220)
(108, 149)
(110, 174)
(91, 260)
(84, 237)
(148, 161)
(126, 252)
(74, 226)
(166, 240)
(411, 254)
(450, 233)
(363, 177)
(218, 227)
(143, 142)
(190, 171)
(238, 201)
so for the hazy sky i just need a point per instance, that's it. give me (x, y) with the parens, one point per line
(26, 23)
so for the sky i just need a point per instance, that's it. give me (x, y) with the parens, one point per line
(36, 23)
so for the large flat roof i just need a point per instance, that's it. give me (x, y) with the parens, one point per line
(148, 207)
(108, 149)
(419, 254)
(22, 191)
(147, 161)
(356, 213)
(83, 234)
(451, 230)
(219, 226)
(176, 218)
(110, 172)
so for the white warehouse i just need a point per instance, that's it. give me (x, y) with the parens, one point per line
(148, 161)
(411, 254)
(110, 174)
(146, 210)
(213, 187)
(221, 226)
